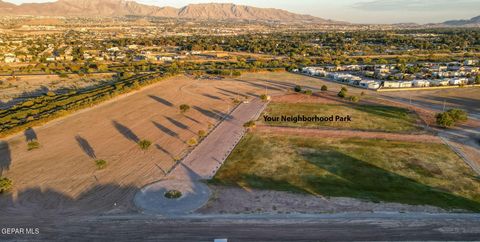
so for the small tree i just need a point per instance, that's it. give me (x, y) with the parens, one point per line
(324, 88)
(477, 79)
(458, 115)
(33, 144)
(101, 164)
(5, 184)
(202, 133)
(184, 108)
(344, 89)
(264, 97)
(192, 142)
(444, 120)
(297, 88)
(144, 144)
(342, 94)
(250, 124)
(308, 92)
(354, 99)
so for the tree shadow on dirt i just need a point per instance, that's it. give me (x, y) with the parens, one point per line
(126, 132)
(161, 100)
(30, 135)
(5, 156)
(86, 147)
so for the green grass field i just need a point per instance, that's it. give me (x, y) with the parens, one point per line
(373, 170)
(364, 117)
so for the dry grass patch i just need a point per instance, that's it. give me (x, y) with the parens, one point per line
(371, 169)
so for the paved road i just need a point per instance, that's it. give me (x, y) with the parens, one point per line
(349, 226)
(201, 164)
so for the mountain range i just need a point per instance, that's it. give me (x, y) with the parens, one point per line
(475, 21)
(216, 11)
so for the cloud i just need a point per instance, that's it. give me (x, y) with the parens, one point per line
(418, 5)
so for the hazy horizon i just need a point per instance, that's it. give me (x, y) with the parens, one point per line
(355, 11)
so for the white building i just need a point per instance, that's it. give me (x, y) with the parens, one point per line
(397, 84)
(421, 83)
(369, 84)
(458, 81)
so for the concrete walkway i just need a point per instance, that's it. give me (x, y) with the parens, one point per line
(201, 164)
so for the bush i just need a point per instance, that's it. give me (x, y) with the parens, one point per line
(451, 117)
(144, 144)
(458, 115)
(202, 133)
(324, 88)
(101, 164)
(31, 145)
(173, 194)
(297, 88)
(308, 92)
(264, 97)
(5, 184)
(342, 94)
(354, 99)
(444, 120)
(344, 89)
(192, 142)
(184, 108)
(249, 124)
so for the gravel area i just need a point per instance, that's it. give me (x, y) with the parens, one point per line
(233, 200)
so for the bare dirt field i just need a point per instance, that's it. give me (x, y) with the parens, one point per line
(306, 132)
(61, 175)
(463, 98)
(234, 200)
(14, 90)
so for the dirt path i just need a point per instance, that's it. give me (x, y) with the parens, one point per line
(348, 134)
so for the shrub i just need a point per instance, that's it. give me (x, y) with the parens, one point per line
(31, 145)
(344, 89)
(144, 144)
(264, 97)
(458, 115)
(297, 88)
(342, 94)
(444, 120)
(362, 94)
(173, 194)
(184, 108)
(5, 184)
(202, 133)
(354, 99)
(101, 164)
(324, 88)
(192, 142)
(451, 117)
(308, 92)
(249, 124)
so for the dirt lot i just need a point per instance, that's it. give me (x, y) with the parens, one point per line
(233, 200)
(14, 90)
(463, 98)
(61, 174)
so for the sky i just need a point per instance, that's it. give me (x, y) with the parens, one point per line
(355, 11)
